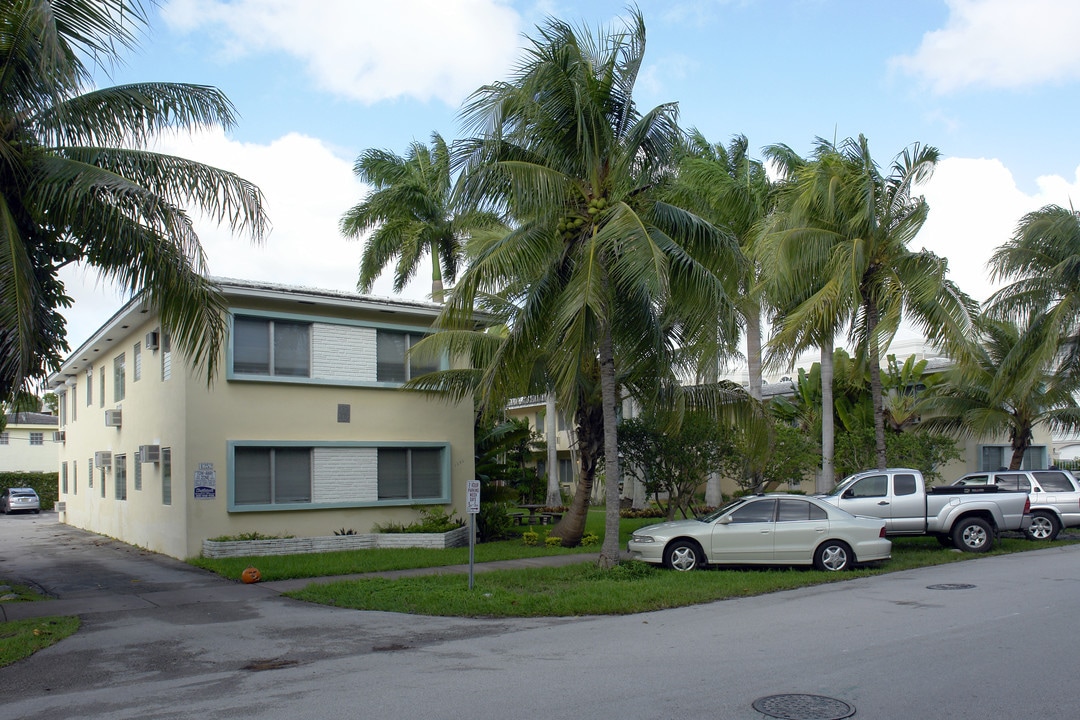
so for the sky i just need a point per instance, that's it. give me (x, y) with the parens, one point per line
(993, 84)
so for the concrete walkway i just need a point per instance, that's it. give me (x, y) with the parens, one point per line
(89, 574)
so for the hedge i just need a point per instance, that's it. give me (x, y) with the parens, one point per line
(46, 484)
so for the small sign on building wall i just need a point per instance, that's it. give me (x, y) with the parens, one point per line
(205, 482)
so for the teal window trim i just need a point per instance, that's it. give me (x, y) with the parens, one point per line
(230, 375)
(231, 446)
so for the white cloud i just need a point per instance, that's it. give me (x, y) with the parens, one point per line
(307, 189)
(369, 50)
(975, 206)
(999, 43)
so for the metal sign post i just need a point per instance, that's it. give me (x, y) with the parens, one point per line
(472, 506)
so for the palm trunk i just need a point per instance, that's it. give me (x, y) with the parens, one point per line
(753, 350)
(827, 478)
(554, 497)
(1020, 446)
(609, 551)
(436, 279)
(873, 353)
(589, 420)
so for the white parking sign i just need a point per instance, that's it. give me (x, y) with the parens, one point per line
(472, 496)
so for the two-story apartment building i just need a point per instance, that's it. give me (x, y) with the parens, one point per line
(29, 442)
(306, 430)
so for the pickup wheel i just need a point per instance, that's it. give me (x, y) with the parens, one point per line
(833, 556)
(973, 535)
(1044, 526)
(683, 555)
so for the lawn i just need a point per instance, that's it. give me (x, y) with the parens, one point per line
(578, 589)
(23, 638)
(633, 587)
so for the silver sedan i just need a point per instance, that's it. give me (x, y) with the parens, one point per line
(765, 530)
(19, 500)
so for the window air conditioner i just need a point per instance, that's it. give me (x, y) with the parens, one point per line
(150, 453)
(113, 418)
(59, 436)
(103, 459)
(153, 339)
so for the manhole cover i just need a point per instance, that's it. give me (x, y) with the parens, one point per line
(803, 707)
(950, 586)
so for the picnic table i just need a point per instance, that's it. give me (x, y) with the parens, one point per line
(535, 517)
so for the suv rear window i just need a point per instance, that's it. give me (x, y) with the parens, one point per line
(1053, 481)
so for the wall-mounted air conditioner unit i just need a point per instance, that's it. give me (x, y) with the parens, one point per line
(59, 436)
(150, 453)
(153, 340)
(113, 418)
(103, 459)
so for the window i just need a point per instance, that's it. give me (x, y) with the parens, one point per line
(89, 387)
(272, 476)
(410, 473)
(120, 476)
(37, 438)
(74, 478)
(5, 438)
(271, 347)
(756, 511)
(102, 483)
(1053, 481)
(166, 357)
(791, 510)
(166, 474)
(136, 363)
(873, 486)
(998, 457)
(566, 471)
(63, 478)
(1012, 482)
(138, 471)
(90, 472)
(101, 397)
(63, 408)
(392, 365)
(74, 403)
(903, 484)
(119, 366)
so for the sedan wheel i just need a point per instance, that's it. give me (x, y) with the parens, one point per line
(833, 555)
(682, 555)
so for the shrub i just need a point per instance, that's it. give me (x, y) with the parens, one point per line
(493, 522)
(45, 484)
(432, 520)
(553, 541)
(530, 537)
(255, 535)
(652, 511)
(590, 539)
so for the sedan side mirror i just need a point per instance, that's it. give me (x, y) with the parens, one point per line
(724, 520)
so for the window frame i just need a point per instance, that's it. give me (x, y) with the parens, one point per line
(37, 439)
(272, 348)
(445, 474)
(119, 377)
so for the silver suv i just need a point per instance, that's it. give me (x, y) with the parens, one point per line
(1054, 495)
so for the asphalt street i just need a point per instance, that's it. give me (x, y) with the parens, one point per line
(989, 638)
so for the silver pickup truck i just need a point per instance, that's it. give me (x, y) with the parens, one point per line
(968, 518)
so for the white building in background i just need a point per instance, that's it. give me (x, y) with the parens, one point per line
(29, 443)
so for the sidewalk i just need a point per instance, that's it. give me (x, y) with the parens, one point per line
(217, 590)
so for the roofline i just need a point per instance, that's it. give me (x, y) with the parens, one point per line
(86, 354)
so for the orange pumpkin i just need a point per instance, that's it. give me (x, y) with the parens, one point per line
(251, 575)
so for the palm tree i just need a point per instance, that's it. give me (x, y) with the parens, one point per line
(77, 184)
(605, 273)
(867, 270)
(732, 190)
(412, 214)
(1043, 259)
(1006, 385)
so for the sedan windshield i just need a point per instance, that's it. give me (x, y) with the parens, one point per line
(716, 514)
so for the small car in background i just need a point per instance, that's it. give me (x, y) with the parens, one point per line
(19, 500)
(773, 529)
(1054, 495)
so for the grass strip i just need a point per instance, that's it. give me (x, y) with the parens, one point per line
(22, 638)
